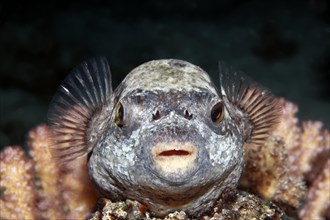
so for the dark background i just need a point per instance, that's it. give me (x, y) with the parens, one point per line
(283, 45)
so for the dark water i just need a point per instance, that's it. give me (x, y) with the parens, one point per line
(283, 45)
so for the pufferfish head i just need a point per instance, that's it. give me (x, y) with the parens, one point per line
(165, 136)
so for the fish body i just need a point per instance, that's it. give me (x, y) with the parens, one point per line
(165, 136)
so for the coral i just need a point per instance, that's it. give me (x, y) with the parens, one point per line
(318, 203)
(288, 128)
(48, 173)
(292, 170)
(308, 145)
(41, 187)
(291, 165)
(16, 185)
(313, 150)
(80, 196)
(267, 174)
(123, 210)
(240, 205)
(232, 205)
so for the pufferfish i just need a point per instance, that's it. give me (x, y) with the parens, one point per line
(165, 136)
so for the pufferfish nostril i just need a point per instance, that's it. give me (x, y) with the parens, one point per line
(187, 115)
(156, 116)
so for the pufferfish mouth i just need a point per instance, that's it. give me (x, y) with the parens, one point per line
(174, 157)
(174, 152)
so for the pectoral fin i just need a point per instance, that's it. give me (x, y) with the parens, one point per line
(75, 104)
(253, 107)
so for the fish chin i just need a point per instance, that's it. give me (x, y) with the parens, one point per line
(194, 196)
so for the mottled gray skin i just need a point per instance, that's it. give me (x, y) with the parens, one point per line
(122, 164)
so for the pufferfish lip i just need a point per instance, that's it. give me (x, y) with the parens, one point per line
(174, 157)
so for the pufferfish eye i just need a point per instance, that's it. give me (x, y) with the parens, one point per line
(217, 112)
(119, 115)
